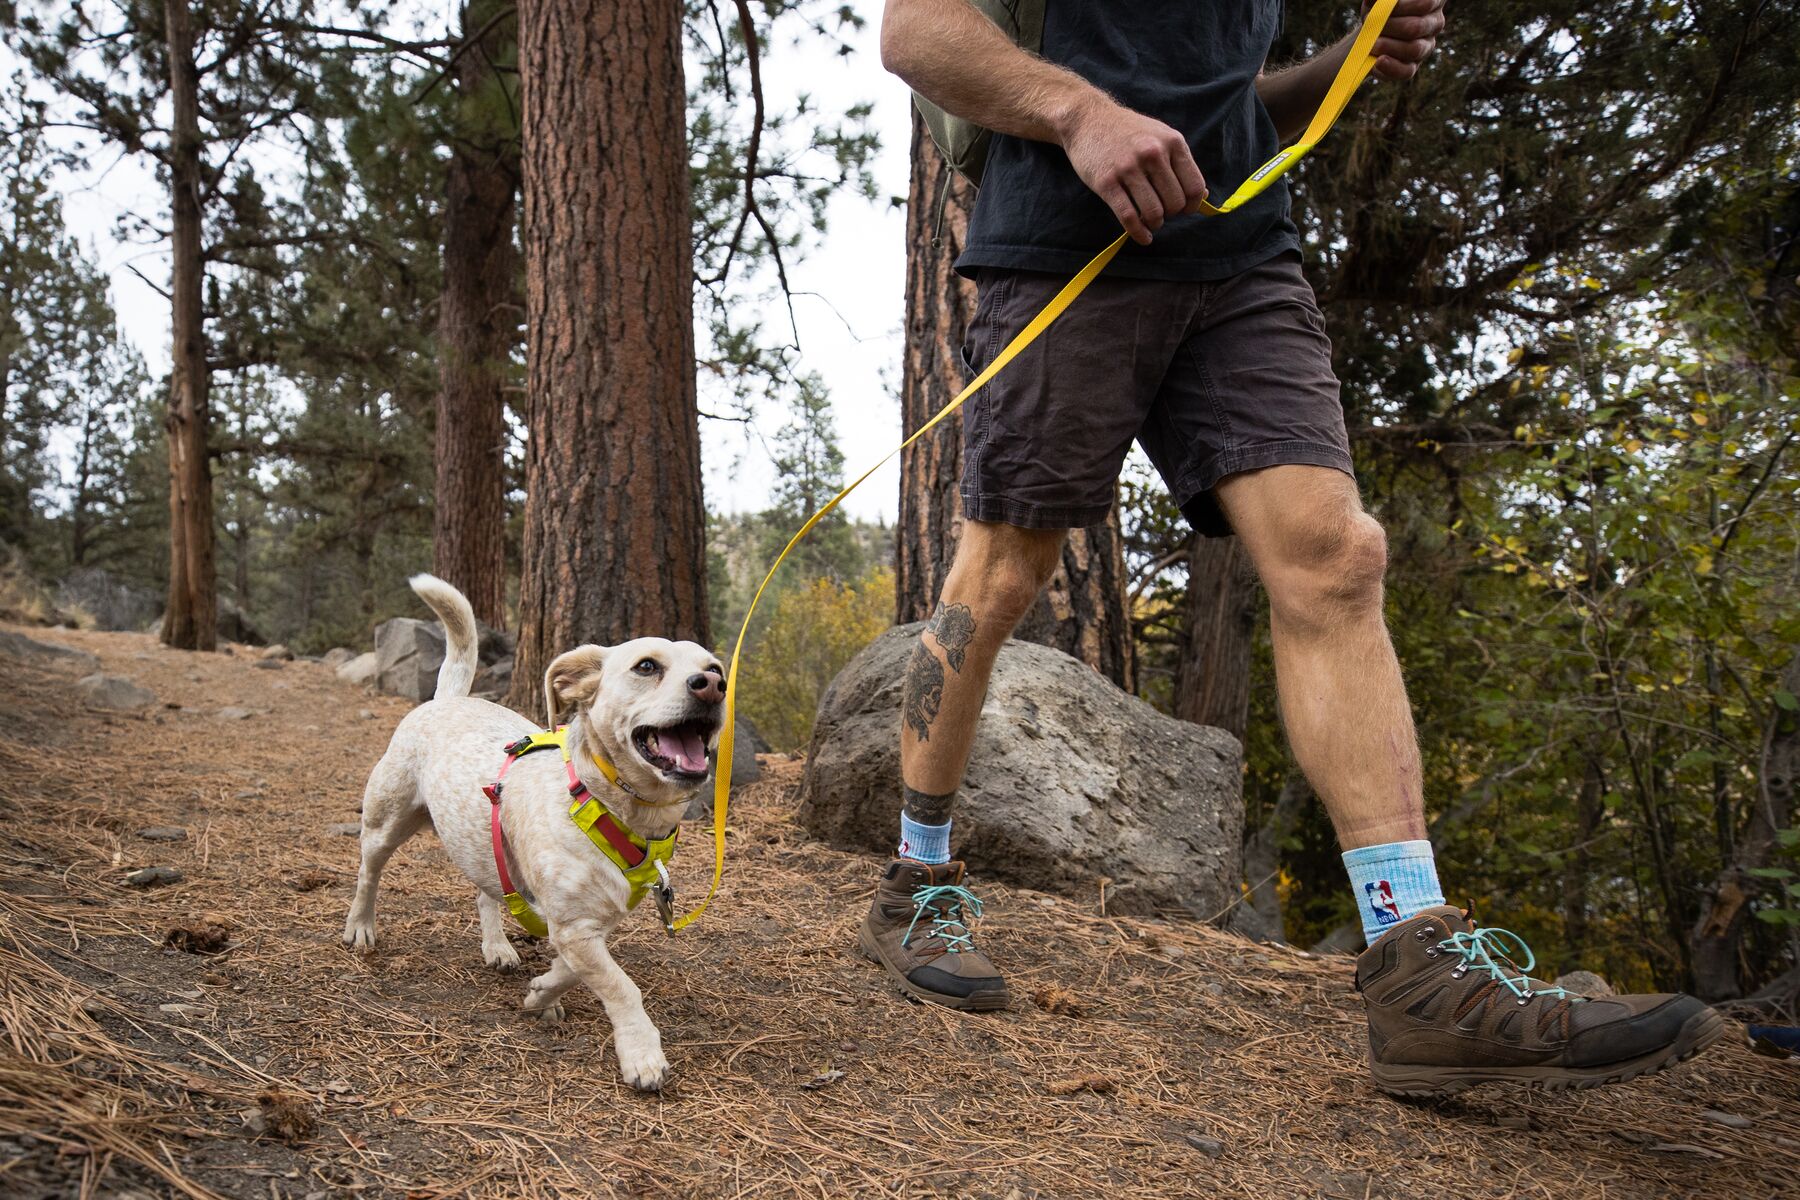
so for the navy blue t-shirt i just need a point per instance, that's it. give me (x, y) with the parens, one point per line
(1191, 64)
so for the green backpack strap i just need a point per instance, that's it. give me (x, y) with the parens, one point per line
(963, 143)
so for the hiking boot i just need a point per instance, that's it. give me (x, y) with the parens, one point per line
(1449, 1008)
(917, 929)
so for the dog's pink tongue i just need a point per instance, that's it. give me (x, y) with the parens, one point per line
(685, 747)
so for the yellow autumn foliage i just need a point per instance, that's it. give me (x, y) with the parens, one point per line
(809, 635)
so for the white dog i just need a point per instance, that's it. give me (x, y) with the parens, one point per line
(650, 707)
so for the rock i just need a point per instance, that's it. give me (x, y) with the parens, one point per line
(493, 644)
(110, 602)
(278, 651)
(408, 654)
(1205, 1145)
(1585, 983)
(17, 645)
(493, 679)
(163, 833)
(337, 656)
(232, 712)
(114, 692)
(153, 877)
(360, 670)
(269, 664)
(365, 714)
(1072, 780)
(344, 829)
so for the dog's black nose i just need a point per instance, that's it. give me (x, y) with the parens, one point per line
(707, 686)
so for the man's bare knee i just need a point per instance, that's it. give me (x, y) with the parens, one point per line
(1329, 570)
(1002, 568)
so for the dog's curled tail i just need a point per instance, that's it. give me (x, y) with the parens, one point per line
(461, 653)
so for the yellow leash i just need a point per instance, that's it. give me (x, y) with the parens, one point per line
(1357, 65)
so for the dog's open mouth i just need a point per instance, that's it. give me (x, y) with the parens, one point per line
(678, 750)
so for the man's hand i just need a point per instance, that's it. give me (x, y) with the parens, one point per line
(1140, 167)
(1411, 34)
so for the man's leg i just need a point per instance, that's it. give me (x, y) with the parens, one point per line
(996, 576)
(1448, 1007)
(915, 927)
(1342, 697)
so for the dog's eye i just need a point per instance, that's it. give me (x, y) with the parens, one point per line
(647, 666)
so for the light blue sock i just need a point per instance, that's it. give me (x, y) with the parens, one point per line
(1391, 883)
(925, 843)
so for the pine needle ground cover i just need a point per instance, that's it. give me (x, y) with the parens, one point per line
(211, 1037)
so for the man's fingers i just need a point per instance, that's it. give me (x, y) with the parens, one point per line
(1126, 212)
(1168, 188)
(1409, 29)
(1400, 72)
(1193, 183)
(1414, 52)
(1149, 205)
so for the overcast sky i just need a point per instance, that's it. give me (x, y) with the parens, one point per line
(849, 326)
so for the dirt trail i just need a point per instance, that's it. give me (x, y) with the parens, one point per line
(1158, 1059)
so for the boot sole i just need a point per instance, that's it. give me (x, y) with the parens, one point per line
(989, 1001)
(1400, 1079)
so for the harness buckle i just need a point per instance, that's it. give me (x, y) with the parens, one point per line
(516, 748)
(491, 791)
(663, 892)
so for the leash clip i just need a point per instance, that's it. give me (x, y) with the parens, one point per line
(664, 893)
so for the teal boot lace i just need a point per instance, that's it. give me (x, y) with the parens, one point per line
(947, 904)
(1493, 951)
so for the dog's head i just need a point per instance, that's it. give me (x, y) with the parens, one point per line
(654, 706)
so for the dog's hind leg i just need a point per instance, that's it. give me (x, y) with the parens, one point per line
(496, 951)
(637, 1041)
(392, 812)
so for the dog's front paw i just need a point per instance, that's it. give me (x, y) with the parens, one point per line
(500, 955)
(641, 1061)
(359, 935)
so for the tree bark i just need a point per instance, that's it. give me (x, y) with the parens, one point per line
(1212, 676)
(614, 542)
(1719, 931)
(191, 619)
(1083, 611)
(477, 326)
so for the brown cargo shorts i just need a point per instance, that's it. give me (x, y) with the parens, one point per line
(1211, 378)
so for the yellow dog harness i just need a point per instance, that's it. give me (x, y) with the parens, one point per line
(1356, 67)
(640, 860)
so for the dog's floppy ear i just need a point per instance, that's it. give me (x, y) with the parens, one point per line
(572, 677)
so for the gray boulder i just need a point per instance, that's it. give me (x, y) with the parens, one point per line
(408, 654)
(493, 679)
(114, 692)
(113, 603)
(1585, 983)
(46, 654)
(360, 670)
(747, 743)
(1072, 782)
(337, 657)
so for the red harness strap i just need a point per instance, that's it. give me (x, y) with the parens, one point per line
(609, 828)
(492, 792)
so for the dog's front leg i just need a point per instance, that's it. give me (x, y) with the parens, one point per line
(582, 945)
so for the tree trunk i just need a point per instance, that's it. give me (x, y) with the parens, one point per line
(1578, 872)
(1720, 928)
(477, 327)
(191, 620)
(1083, 612)
(1212, 676)
(614, 541)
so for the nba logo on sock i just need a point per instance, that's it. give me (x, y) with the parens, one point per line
(1381, 901)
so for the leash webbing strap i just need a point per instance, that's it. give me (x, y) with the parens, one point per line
(1355, 68)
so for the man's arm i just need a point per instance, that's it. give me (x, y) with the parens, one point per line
(1293, 94)
(959, 60)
